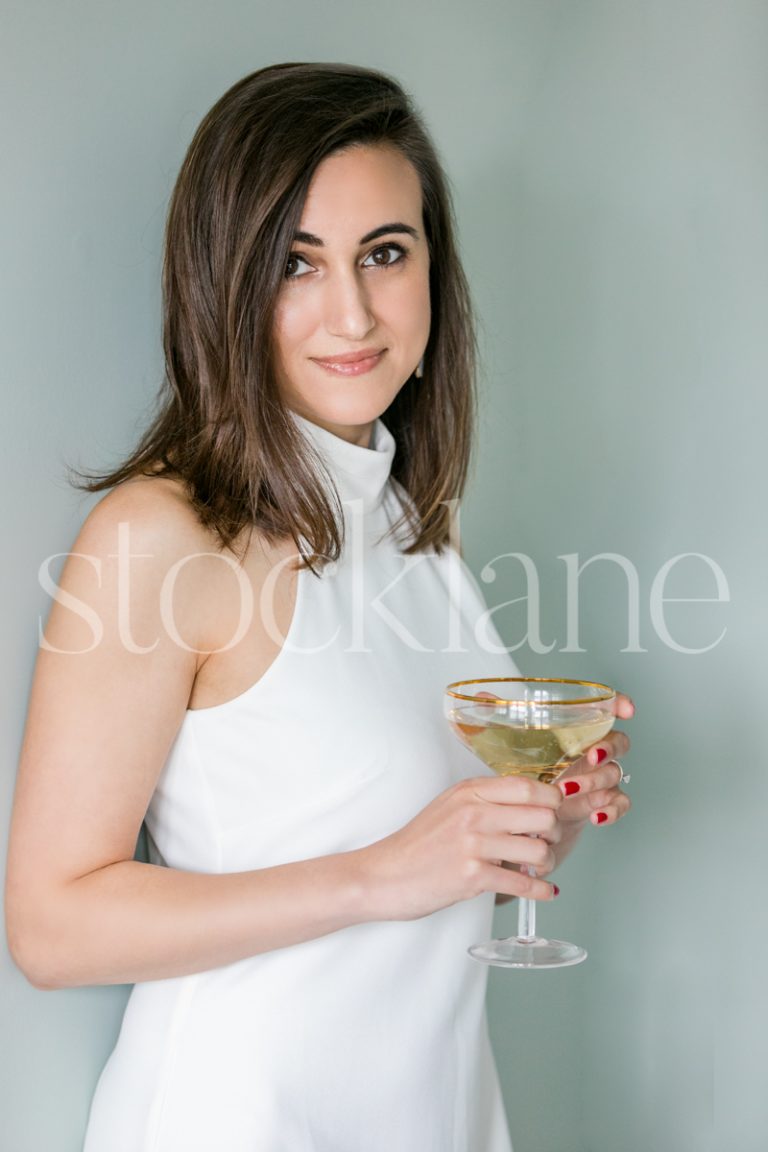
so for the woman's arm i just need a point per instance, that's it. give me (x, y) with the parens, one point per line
(109, 694)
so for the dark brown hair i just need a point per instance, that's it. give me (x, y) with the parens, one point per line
(221, 426)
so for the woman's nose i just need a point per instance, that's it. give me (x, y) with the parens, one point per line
(348, 310)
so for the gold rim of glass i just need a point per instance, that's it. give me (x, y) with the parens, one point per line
(608, 693)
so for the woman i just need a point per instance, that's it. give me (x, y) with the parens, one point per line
(248, 652)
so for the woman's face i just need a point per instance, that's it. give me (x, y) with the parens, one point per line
(353, 315)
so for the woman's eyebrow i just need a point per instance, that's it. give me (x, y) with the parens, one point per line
(384, 230)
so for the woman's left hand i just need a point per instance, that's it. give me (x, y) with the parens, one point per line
(599, 799)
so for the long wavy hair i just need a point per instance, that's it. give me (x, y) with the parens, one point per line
(220, 425)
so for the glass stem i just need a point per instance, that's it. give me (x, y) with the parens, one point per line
(526, 917)
(526, 913)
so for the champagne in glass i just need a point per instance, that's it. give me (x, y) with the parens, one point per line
(536, 728)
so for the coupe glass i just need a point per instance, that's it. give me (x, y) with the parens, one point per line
(535, 728)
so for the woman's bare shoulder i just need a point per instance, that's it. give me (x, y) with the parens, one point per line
(151, 511)
(146, 537)
(144, 563)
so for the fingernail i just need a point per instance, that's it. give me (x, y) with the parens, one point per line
(600, 755)
(555, 890)
(601, 818)
(570, 787)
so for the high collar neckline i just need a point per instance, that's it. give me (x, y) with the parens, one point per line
(358, 473)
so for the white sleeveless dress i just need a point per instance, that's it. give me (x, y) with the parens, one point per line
(373, 1038)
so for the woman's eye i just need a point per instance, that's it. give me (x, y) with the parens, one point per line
(382, 256)
(292, 270)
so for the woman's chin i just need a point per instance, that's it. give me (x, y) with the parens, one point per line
(352, 413)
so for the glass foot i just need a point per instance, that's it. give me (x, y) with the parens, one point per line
(535, 952)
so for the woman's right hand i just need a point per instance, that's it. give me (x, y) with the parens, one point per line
(455, 848)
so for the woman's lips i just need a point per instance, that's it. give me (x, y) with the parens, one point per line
(351, 363)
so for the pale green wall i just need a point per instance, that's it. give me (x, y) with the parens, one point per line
(611, 174)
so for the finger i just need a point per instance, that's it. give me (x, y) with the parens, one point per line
(615, 744)
(513, 790)
(582, 806)
(529, 850)
(522, 820)
(608, 775)
(623, 707)
(611, 812)
(603, 797)
(513, 883)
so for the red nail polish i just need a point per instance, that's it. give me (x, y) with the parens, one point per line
(555, 890)
(570, 787)
(601, 818)
(601, 755)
